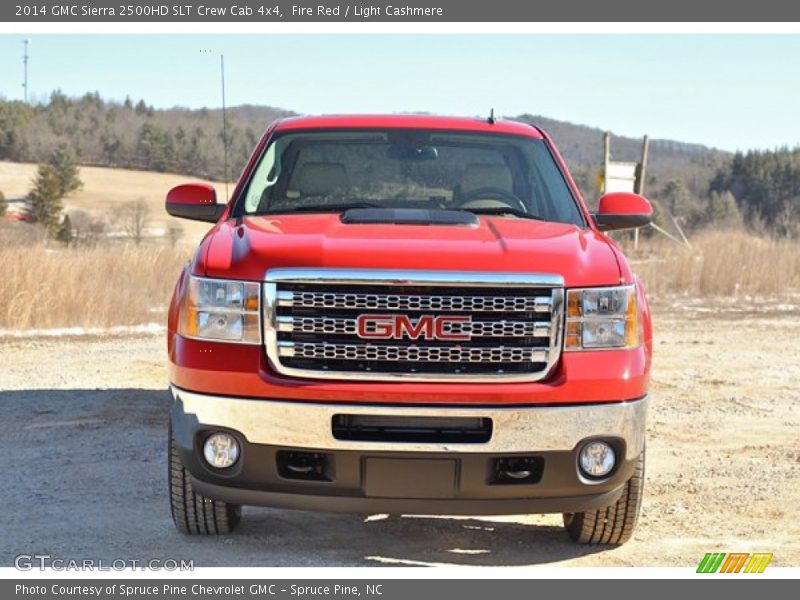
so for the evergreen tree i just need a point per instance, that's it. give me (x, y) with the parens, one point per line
(44, 199)
(722, 209)
(767, 187)
(675, 195)
(157, 147)
(65, 163)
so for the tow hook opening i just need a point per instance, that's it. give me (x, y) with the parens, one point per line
(308, 466)
(516, 470)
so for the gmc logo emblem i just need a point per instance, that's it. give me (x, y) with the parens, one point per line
(429, 327)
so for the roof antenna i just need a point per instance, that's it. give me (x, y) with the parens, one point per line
(491, 118)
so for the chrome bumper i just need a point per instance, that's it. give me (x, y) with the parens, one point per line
(515, 429)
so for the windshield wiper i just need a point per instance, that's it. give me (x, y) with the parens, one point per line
(502, 210)
(323, 208)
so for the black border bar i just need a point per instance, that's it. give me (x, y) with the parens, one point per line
(396, 11)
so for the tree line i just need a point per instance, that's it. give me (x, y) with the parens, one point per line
(766, 186)
(132, 134)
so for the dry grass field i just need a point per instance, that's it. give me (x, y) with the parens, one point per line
(733, 264)
(97, 286)
(105, 190)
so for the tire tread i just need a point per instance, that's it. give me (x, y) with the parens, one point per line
(615, 524)
(192, 513)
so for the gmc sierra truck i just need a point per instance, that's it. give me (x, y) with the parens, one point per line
(408, 315)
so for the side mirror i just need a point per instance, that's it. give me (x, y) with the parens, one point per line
(196, 201)
(622, 210)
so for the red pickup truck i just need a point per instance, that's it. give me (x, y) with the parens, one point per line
(408, 314)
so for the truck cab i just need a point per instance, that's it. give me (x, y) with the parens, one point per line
(408, 314)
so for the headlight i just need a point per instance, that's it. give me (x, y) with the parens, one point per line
(221, 310)
(602, 318)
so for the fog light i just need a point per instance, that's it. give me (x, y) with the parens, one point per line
(597, 459)
(221, 450)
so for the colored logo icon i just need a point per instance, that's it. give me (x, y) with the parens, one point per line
(720, 562)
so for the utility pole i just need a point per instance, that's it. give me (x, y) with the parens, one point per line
(640, 182)
(25, 42)
(224, 115)
(643, 165)
(606, 159)
(224, 123)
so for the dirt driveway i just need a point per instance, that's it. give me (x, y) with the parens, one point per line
(83, 469)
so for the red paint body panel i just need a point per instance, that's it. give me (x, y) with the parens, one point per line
(246, 248)
(406, 122)
(624, 203)
(192, 193)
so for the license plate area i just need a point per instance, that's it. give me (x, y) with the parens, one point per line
(409, 478)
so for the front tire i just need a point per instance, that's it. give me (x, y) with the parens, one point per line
(192, 513)
(615, 524)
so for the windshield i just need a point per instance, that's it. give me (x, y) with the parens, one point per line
(331, 171)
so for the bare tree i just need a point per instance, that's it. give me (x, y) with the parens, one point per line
(133, 219)
(174, 233)
(88, 228)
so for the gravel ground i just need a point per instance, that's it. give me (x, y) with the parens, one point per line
(82, 441)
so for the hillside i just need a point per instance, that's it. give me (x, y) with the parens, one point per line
(132, 135)
(137, 136)
(582, 148)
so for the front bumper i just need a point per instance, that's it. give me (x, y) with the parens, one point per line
(408, 477)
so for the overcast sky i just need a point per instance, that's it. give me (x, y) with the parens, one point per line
(729, 91)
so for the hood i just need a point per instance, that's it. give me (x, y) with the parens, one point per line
(246, 248)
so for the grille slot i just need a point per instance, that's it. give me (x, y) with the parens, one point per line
(395, 301)
(383, 352)
(431, 430)
(470, 326)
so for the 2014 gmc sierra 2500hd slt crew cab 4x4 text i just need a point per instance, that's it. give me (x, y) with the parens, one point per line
(408, 314)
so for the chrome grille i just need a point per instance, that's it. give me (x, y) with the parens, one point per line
(513, 323)
(321, 299)
(454, 354)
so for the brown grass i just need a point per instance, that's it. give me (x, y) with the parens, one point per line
(719, 263)
(107, 285)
